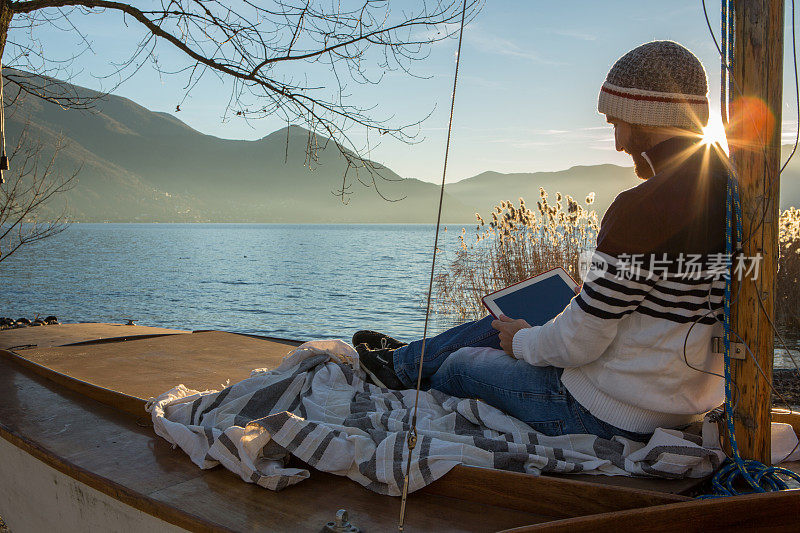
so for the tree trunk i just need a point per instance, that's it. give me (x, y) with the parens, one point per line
(5, 21)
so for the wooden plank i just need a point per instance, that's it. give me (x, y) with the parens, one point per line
(556, 497)
(786, 417)
(794, 466)
(122, 402)
(776, 511)
(304, 505)
(754, 138)
(110, 452)
(151, 366)
(147, 367)
(60, 334)
(103, 448)
(666, 486)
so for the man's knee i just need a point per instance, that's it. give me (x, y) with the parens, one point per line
(449, 376)
(457, 362)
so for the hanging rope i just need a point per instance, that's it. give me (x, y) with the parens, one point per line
(723, 56)
(3, 157)
(757, 476)
(412, 434)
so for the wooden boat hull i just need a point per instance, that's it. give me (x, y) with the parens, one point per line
(86, 458)
(35, 497)
(773, 512)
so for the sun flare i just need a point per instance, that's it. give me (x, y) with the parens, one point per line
(714, 133)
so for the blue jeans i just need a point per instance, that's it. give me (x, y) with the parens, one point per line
(533, 394)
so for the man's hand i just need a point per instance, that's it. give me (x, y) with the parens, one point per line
(507, 328)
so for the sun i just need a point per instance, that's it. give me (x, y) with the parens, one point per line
(715, 133)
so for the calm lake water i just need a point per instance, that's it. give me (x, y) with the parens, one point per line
(294, 281)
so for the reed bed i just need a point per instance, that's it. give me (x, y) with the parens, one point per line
(513, 244)
(787, 293)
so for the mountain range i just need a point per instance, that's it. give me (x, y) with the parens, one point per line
(137, 165)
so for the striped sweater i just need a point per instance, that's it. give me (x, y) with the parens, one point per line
(635, 342)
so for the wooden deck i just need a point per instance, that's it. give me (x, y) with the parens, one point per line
(115, 453)
(147, 366)
(61, 334)
(55, 403)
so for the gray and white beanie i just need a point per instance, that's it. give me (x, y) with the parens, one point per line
(659, 83)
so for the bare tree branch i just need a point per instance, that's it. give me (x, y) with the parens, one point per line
(31, 184)
(261, 46)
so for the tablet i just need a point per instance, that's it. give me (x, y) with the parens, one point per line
(535, 300)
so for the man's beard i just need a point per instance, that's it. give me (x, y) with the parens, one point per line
(641, 167)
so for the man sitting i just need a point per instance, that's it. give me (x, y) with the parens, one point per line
(632, 351)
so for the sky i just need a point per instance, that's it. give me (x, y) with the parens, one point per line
(526, 99)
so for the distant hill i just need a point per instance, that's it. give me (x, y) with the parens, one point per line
(144, 166)
(490, 188)
(139, 165)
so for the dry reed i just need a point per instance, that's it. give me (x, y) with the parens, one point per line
(787, 295)
(514, 244)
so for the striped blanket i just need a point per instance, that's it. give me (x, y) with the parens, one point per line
(316, 407)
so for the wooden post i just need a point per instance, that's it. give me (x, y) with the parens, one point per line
(754, 138)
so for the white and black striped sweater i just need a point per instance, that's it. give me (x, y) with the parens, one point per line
(634, 341)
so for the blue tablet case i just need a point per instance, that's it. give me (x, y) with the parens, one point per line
(537, 303)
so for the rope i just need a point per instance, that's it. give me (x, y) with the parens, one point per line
(726, 30)
(757, 476)
(731, 42)
(723, 104)
(796, 93)
(412, 434)
(3, 157)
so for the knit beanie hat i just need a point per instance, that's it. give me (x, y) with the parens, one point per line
(659, 83)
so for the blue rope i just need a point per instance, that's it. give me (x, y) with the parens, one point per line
(723, 57)
(758, 476)
(730, 27)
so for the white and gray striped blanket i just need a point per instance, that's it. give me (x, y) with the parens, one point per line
(316, 407)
